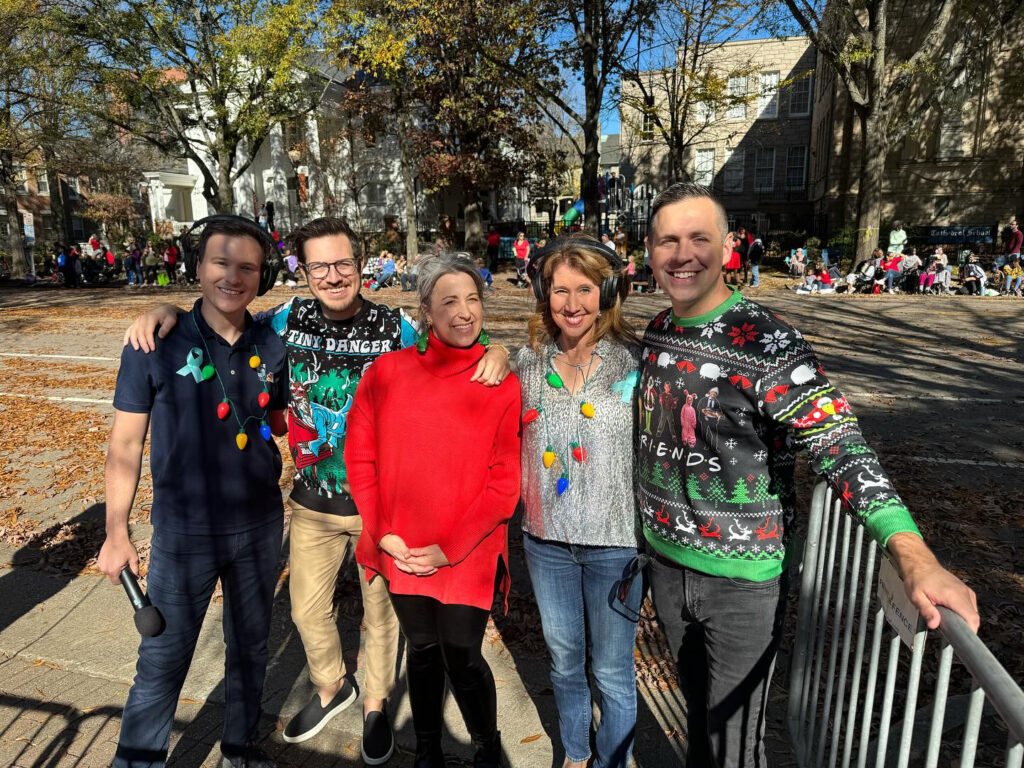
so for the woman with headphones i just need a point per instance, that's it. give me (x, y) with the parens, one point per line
(577, 377)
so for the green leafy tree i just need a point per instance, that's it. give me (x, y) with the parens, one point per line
(469, 123)
(198, 81)
(573, 43)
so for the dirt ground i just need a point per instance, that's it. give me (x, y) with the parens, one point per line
(936, 382)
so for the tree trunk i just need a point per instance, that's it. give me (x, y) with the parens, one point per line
(676, 165)
(874, 137)
(591, 123)
(224, 199)
(57, 209)
(412, 240)
(474, 226)
(20, 266)
(15, 243)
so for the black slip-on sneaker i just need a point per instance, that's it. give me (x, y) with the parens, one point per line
(378, 740)
(312, 718)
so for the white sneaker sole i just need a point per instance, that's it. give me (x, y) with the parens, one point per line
(307, 735)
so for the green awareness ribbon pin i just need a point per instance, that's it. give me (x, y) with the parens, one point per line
(626, 386)
(193, 364)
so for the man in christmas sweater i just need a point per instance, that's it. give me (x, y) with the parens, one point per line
(718, 504)
(331, 340)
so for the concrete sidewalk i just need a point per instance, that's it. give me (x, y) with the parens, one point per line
(69, 648)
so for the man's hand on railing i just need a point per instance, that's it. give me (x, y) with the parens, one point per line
(928, 584)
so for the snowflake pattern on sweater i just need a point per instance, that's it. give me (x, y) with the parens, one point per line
(726, 400)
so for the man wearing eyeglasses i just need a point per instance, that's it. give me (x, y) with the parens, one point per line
(331, 339)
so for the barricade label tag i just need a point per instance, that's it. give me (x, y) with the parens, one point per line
(899, 611)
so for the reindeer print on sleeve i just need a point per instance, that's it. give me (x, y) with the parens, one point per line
(800, 397)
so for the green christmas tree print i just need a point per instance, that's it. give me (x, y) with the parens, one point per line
(658, 478)
(739, 493)
(716, 492)
(762, 491)
(693, 488)
(675, 481)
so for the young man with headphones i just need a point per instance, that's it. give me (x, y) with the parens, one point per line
(331, 339)
(211, 396)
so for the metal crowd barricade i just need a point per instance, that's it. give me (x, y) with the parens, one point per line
(836, 663)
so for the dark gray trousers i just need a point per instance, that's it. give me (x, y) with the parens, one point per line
(724, 634)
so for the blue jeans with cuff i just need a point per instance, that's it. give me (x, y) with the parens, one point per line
(183, 572)
(724, 634)
(576, 591)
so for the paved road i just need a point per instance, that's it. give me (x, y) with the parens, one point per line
(936, 382)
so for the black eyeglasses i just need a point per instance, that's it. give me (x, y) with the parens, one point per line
(320, 269)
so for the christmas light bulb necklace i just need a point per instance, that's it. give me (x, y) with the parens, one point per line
(227, 405)
(584, 407)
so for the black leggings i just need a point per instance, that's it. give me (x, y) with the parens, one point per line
(446, 639)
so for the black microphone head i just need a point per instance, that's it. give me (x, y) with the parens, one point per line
(149, 621)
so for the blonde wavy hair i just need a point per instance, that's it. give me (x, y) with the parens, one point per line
(582, 254)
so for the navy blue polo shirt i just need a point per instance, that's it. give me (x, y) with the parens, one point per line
(202, 482)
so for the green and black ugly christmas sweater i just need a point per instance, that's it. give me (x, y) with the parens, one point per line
(725, 401)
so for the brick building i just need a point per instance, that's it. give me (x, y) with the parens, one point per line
(755, 154)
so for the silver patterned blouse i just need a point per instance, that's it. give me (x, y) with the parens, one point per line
(597, 507)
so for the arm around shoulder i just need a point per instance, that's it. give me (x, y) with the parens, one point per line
(149, 326)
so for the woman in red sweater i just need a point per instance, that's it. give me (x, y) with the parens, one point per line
(435, 516)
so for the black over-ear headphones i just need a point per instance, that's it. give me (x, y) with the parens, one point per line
(268, 272)
(610, 286)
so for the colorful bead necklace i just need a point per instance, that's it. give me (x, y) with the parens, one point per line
(586, 410)
(227, 405)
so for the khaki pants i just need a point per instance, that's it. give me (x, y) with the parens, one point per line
(318, 542)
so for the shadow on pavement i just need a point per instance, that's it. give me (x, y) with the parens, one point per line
(62, 550)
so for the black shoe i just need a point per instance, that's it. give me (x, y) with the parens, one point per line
(429, 755)
(488, 751)
(378, 740)
(251, 757)
(312, 718)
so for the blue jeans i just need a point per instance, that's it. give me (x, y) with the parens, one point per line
(755, 270)
(183, 571)
(890, 275)
(724, 634)
(1015, 282)
(575, 587)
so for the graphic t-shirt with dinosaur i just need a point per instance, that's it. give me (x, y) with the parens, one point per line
(726, 400)
(326, 360)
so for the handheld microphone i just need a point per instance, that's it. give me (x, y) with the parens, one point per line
(148, 619)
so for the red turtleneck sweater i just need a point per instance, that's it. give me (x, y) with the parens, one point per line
(434, 458)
